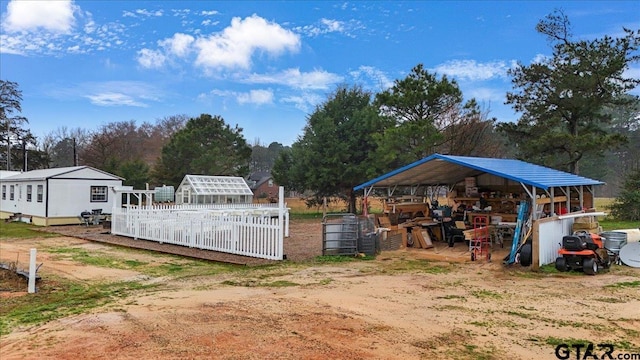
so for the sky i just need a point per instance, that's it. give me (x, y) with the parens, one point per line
(265, 65)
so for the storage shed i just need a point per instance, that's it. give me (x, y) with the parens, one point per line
(56, 196)
(494, 187)
(203, 189)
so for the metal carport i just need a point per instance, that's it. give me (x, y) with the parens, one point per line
(448, 170)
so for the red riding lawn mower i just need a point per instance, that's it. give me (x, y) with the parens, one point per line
(583, 251)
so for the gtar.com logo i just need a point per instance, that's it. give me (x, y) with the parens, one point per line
(592, 351)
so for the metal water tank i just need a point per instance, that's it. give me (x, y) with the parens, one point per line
(339, 234)
(614, 240)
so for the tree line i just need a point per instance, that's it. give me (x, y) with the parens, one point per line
(577, 115)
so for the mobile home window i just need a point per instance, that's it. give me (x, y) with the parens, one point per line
(29, 190)
(40, 191)
(11, 192)
(98, 194)
(4, 192)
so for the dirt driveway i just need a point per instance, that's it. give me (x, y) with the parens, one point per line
(397, 306)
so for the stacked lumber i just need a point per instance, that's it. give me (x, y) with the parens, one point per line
(588, 223)
(471, 233)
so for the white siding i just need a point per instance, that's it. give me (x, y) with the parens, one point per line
(71, 197)
(20, 203)
(8, 204)
(550, 238)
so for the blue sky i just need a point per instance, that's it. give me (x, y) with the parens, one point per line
(265, 65)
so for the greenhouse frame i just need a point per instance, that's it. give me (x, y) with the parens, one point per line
(204, 189)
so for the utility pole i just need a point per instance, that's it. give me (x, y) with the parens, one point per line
(24, 154)
(75, 154)
(8, 145)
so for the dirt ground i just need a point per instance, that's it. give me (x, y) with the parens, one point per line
(398, 306)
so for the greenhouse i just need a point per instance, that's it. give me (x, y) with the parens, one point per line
(202, 189)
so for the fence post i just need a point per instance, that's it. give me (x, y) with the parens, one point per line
(134, 225)
(286, 224)
(113, 211)
(32, 271)
(280, 254)
(192, 234)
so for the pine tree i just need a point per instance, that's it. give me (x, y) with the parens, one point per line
(627, 204)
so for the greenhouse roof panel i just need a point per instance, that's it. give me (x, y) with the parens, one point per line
(218, 185)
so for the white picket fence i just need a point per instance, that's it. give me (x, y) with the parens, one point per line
(255, 230)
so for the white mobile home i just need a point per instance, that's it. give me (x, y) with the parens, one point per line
(56, 196)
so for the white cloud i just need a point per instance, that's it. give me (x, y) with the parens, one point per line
(147, 13)
(324, 27)
(151, 59)
(332, 25)
(209, 22)
(305, 102)
(216, 92)
(540, 58)
(118, 93)
(372, 76)
(258, 97)
(235, 46)
(74, 49)
(209, 13)
(473, 71)
(178, 45)
(53, 16)
(90, 27)
(110, 93)
(327, 26)
(181, 13)
(142, 13)
(632, 72)
(317, 79)
(85, 38)
(26, 43)
(114, 99)
(11, 45)
(483, 94)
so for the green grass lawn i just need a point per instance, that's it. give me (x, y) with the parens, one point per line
(612, 224)
(21, 230)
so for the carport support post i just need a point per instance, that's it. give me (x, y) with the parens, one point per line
(552, 204)
(535, 245)
(32, 271)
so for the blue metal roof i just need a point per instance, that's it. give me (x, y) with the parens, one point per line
(440, 169)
